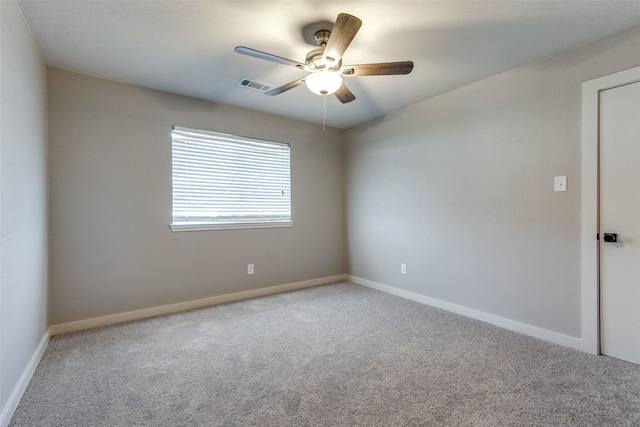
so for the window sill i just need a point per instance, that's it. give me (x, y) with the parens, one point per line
(238, 226)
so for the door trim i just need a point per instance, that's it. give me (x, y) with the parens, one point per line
(590, 202)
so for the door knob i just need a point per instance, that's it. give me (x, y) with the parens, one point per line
(610, 237)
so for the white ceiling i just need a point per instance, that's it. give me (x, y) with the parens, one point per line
(186, 47)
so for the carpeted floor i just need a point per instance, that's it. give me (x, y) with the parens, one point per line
(334, 355)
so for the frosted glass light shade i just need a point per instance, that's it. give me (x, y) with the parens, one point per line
(324, 82)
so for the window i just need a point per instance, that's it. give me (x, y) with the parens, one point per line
(225, 181)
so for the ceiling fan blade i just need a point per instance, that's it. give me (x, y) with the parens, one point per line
(267, 56)
(288, 86)
(344, 95)
(343, 32)
(381, 69)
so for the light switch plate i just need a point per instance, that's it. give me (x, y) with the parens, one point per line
(560, 183)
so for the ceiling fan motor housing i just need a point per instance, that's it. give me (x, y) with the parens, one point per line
(315, 57)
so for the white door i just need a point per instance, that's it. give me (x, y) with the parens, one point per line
(620, 213)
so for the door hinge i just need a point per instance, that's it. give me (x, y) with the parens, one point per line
(598, 236)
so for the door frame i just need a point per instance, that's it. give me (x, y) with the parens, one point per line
(590, 257)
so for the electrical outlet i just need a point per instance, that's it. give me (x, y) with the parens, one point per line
(250, 269)
(403, 268)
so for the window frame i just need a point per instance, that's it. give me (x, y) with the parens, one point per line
(226, 225)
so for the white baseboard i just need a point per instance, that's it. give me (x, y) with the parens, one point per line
(96, 322)
(512, 325)
(18, 391)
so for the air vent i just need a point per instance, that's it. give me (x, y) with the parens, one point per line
(252, 84)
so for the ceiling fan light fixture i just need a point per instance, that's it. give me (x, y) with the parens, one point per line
(324, 82)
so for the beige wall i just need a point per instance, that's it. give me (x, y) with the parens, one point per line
(23, 211)
(111, 247)
(460, 188)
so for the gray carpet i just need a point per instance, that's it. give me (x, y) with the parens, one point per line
(333, 355)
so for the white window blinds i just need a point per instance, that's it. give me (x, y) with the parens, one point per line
(228, 180)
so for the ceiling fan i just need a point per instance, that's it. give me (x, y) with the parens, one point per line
(324, 63)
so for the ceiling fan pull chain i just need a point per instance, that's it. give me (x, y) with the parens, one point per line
(324, 113)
